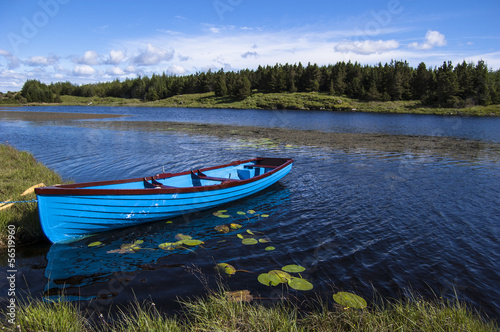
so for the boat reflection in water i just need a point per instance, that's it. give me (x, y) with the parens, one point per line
(101, 266)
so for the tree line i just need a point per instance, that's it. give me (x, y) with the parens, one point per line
(465, 84)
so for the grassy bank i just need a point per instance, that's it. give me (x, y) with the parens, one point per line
(219, 312)
(20, 171)
(291, 101)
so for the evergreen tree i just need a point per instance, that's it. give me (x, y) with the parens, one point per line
(220, 84)
(447, 86)
(242, 87)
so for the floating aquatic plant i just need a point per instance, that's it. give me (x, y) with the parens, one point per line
(241, 213)
(251, 212)
(249, 241)
(282, 276)
(181, 237)
(95, 244)
(270, 248)
(300, 284)
(264, 215)
(349, 300)
(235, 226)
(264, 240)
(268, 279)
(226, 268)
(221, 214)
(128, 248)
(192, 243)
(169, 245)
(275, 277)
(240, 236)
(293, 268)
(250, 232)
(222, 229)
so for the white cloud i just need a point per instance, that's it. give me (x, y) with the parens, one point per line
(115, 57)
(177, 70)
(115, 71)
(83, 70)
(366, 46)
(432, 39)
(35, 61)
(152, 56)
(130, 69)
(89, 58)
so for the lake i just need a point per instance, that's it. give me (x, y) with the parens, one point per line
(356, 220)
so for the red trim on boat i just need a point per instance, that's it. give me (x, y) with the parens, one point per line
(81, 189)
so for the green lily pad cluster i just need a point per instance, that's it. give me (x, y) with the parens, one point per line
(182, 240)
(227, 228)
(224, 215)
(250, 241)
(283, 276)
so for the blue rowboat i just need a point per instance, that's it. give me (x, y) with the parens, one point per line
(71, 212)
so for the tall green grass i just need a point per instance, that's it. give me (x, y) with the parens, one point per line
(18, 172)
(218, 312)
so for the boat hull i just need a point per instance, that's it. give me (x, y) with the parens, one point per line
(67, 217)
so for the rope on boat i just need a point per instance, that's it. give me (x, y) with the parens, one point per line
(15, 202)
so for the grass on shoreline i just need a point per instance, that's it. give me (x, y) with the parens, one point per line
(18, 172)
(218, 312)
(285, 101)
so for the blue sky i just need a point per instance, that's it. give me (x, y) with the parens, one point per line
(86, 41)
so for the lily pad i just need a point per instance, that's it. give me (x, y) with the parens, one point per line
(300, 284)
(222, 229)
(270, 248)
(282, 276)
(241, 213)
(226, 268)
(224, 216)
(349, 300)
(293, 268)
(168, 246)
(249, 241)
(268, 279)
(94, 244)
(250, 232)
(264, 215)
(170, 222)
(251, 212)
(264, 240)
(235, 226)
(126, 248)
(192, 243)
(181, 237)
(139, 242)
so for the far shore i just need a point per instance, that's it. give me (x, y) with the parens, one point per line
(307, 101)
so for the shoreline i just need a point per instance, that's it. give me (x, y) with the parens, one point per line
(307, 101)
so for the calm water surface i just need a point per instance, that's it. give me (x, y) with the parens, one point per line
(355, 220)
